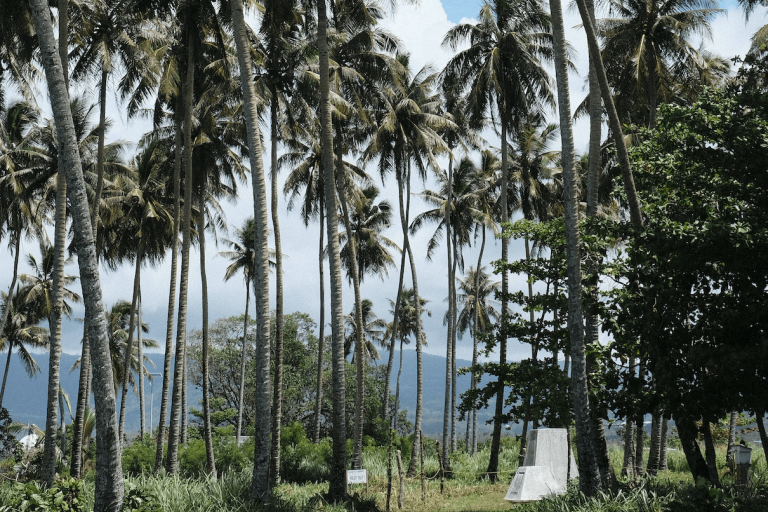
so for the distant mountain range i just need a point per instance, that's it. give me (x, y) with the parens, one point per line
(25, 397)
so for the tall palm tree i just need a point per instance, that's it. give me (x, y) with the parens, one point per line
(260, 487)
(590, 479)
(408, 121)
(108, 495)
(21, 331)
(407, 326)
(503, 72)
(652, 38)
(374, 329)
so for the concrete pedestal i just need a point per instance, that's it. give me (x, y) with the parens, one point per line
(549, 447)
(531, 483)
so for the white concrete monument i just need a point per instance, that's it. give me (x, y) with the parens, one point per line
(548, 449)
(531, 483)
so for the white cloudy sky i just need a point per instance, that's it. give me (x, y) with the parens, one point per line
(421, 29)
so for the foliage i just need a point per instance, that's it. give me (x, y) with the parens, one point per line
(10, 448)
(138, 499)
(139, 457)
(63, 496)
(302, 460)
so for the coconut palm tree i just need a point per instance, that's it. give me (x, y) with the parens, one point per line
(21, 331)
(408, 121)
(260, 487)
(373, 332)
(407, 326)
(590, 480)
(503, 72)
(652, 38)
(108, 494)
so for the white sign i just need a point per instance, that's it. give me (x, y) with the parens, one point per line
(357, 476)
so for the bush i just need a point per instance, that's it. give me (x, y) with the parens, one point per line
(63, 496)
(138, 499)
(302, 460)
(229, 457)
(139, 458)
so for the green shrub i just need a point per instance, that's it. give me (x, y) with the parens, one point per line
(303, 460)
(139, 458)
(63, 496)
(139, 499)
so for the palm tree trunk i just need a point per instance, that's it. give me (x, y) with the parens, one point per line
(15, 276)
(184, 402)
(277, 402)
(129, 345)
(260, 488)
(337, 486)
(321, 332)
(452, 305)
(628, 469)
(57, 291)
(731, 436)
(493, 461)
(241, 390)
(140, 350)
(613, 116)
(357, 450)
(663, 449)
(108, 495)
(181, 329)
(63, 432)
(653, 454)
(447, 409)
(653, 86)
(5, 374)
(390, 361)
(207, 429)
(534, 354)
(420, 336)
(397, 389)
(161, 425)
(83, 395)
(590, 479)
(473, 383)
(95, 214)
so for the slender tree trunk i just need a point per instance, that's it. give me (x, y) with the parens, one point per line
(474, 340)
(709, 445)
(653, 454)
(63, 432)
(7, 311)
(653, 85)
(663, 450)
(761, 430)
(731, 436)
(129, 345)
(628, 469)
(140, 350)
(590, 479)
(277, 402)
(260, 488)
(161, 426)
(83, 395)
(640, 430)
(613, 116)
(321, 332)
(420, 336)
(338, 464)
(174, 433)
(390, 361)
(397, 389)
(448, 410)
(5, 374)
(108, 495)
(207, 428)
(57, 291)
(534, 354)
(452, 305)
(357, 451)
(243, 355)
(184, 402)
(686, 428)
(493, 461)
(95, 214)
